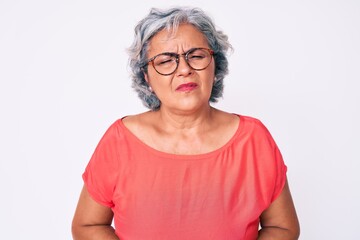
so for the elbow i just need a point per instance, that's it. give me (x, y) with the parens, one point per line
(274, 233)
(296, 232)
(74, 232)
(77, 231)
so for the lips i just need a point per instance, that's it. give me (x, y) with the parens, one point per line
(186, 87)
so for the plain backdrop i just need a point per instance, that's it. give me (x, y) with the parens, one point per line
(65, 78)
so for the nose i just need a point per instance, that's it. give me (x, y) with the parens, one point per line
(183, 68)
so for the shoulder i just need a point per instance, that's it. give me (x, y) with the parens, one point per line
(225, 119)
(115, 132)
(253, 123)
(125, 126)
(255, 129)
(137, 123)
(247, 125)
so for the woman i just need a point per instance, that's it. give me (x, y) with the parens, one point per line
(184, 170)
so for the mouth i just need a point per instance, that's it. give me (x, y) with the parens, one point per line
(187, 87)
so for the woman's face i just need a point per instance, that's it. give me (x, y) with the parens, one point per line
(186, 90)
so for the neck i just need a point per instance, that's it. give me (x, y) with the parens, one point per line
(181, 121)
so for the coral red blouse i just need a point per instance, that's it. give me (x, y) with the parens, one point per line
(217, 195)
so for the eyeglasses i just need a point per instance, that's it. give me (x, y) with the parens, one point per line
(166, 63)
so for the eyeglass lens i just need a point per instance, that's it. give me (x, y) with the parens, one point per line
(197, 59)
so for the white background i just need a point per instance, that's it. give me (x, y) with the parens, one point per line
(64, 80)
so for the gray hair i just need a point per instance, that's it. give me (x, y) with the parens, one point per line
(170, 19)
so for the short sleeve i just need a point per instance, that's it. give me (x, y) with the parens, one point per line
(281, 170)
(273, 166)
(101, 172)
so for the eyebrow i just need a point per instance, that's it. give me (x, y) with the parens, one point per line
(176, 54)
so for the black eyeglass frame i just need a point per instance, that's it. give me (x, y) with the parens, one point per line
(177, 57)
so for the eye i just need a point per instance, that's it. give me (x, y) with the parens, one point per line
(164, 59)
(197, 54)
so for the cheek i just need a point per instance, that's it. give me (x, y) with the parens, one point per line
(160, 84)
(150, 74)
(211, 75)
(211, 70)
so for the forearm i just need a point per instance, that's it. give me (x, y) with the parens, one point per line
(94, 232)
(276, 233)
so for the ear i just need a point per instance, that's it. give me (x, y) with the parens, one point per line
(146, 77)
(147, 80)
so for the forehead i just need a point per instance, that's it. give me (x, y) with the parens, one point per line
(185, 37)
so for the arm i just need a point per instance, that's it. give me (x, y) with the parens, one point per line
(279, 221)
(92, 221)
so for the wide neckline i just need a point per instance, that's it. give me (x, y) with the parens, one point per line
(167, 155)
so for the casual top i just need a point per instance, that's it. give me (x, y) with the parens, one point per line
(218, 195)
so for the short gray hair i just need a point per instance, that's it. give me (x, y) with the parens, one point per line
(170, 19)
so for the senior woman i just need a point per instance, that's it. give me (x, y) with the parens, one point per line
(184, 170)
